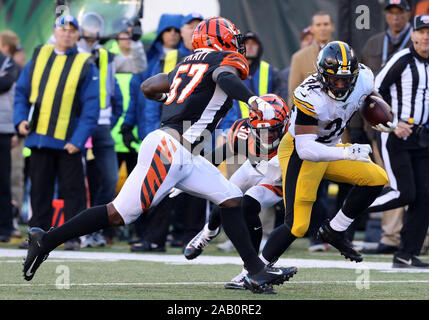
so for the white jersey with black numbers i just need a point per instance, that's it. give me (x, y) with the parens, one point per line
(333, 116)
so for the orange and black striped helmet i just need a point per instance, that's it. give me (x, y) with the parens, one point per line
(278, 124)
(219, 34)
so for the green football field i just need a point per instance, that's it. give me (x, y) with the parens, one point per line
(114, 273)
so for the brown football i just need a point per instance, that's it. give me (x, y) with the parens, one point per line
(375, 110)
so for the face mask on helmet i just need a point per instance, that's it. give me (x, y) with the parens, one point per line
(267, 135)
(339, 87)
(337, 69)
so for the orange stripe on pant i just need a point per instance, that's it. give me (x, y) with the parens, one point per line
(160, 165)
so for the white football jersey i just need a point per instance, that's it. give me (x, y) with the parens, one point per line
(333, 116)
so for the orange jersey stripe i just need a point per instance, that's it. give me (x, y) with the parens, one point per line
(239, 62)
(277, 191)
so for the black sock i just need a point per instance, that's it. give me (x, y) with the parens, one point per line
(236, 230)
(278, 241)
(250, 208)
(86, 222)
(359, 199)
(214, 218)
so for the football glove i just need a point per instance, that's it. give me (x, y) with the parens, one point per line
(266, 110)
(357, 152)
(391, 126)
(128, 137)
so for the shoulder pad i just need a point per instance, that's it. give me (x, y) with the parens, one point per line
(238, 61)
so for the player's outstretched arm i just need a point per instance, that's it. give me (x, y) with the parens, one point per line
(309, 149)
(156, 87)
(226, 77)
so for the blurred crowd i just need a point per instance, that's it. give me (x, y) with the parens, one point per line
(60, 155)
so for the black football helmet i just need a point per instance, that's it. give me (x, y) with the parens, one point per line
(337, 69)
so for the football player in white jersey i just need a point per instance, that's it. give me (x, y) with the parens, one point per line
(312, 150)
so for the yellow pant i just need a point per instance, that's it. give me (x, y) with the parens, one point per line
(301, 179)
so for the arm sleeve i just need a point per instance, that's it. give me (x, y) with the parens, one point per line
(304, 119)
(309, 149)
(233, 86)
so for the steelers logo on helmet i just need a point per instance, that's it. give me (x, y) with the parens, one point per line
(337, 70)
(218, 33)
(268, 133)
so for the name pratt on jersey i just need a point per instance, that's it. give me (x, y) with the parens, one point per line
(196, 56)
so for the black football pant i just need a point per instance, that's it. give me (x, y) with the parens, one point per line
(407, 165)
(46, 166)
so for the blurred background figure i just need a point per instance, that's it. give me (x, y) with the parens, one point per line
(55, 131)
(9, 72)
(10, 46)
(306, 39)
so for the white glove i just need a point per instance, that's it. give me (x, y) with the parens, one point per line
(263, 106)
(357, 152)
(391, 126)
(174, 192)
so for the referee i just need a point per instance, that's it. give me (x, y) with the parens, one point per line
(404, 84)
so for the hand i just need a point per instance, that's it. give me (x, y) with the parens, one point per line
(71, 148)
(391, 126)
(14, 141)
(403, 130)
(128, 137)
(23, 128)
(266, 111)
(357, 152)
(174, 192)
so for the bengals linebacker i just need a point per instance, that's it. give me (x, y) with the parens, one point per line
(196, 95)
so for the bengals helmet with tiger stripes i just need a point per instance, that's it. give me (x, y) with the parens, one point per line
(218, 33)
(276, 126)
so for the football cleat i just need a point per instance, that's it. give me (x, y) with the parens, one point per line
(237, 283)
(196, 246)
(403, 260)
(263, 281)
(339, 241)
(35, 254)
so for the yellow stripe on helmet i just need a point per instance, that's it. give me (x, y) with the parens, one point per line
(344, 55)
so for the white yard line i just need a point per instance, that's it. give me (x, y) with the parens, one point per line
(125, 284)
(60, 255)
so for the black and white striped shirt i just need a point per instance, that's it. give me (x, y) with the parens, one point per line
(403, 83)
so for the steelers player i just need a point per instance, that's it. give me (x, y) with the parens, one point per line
(311, 151)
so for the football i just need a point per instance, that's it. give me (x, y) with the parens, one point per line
(375, 111)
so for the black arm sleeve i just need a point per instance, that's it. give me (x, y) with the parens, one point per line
(234, 87)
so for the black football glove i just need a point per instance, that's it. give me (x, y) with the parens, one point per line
(128, 137)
